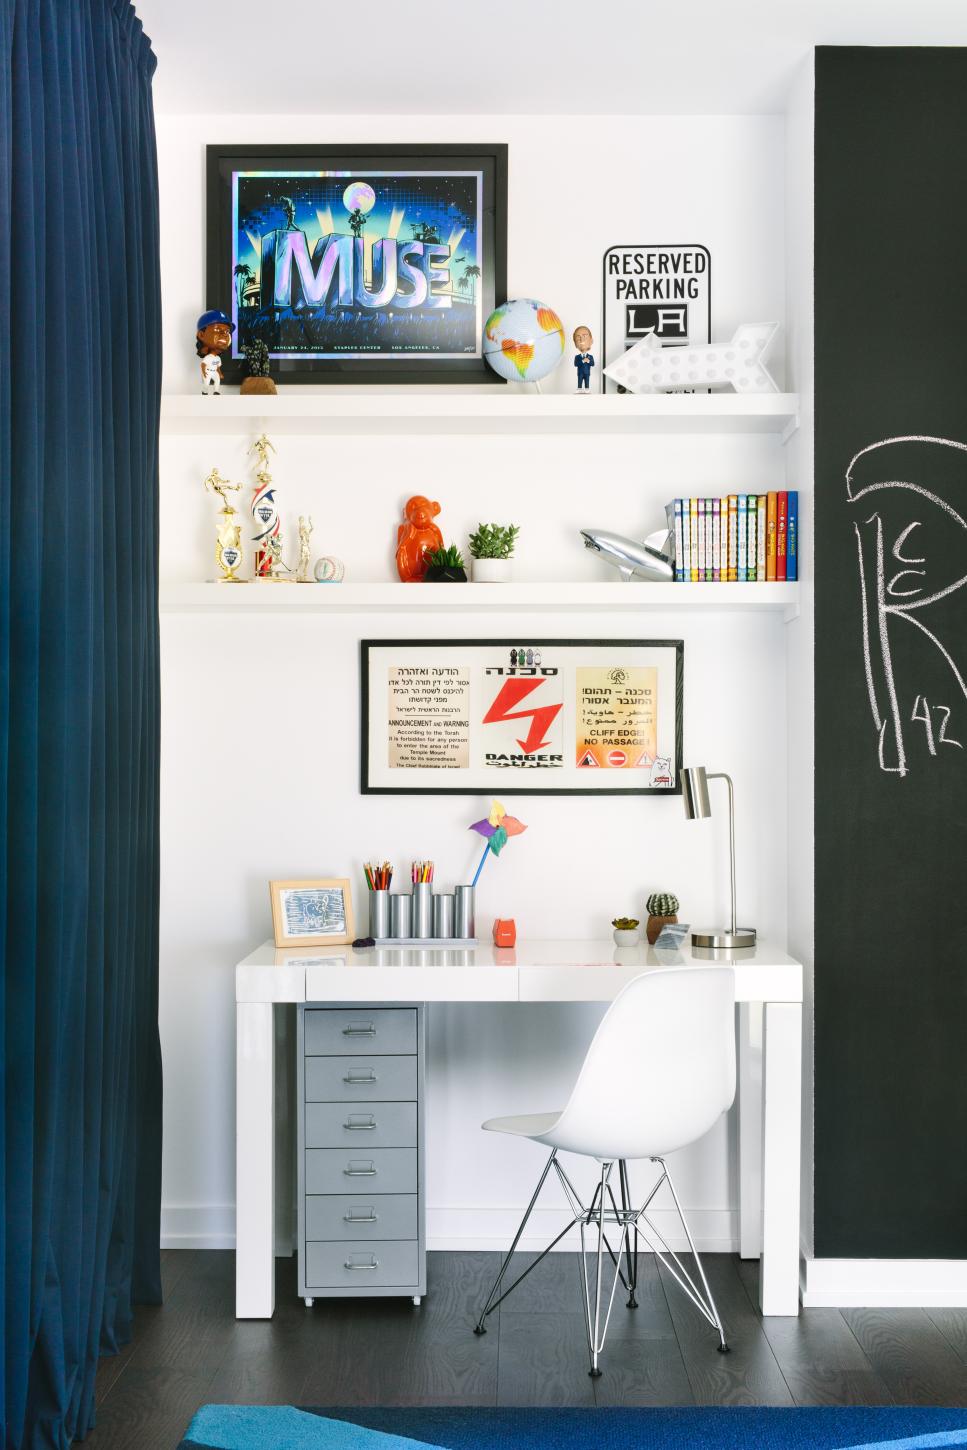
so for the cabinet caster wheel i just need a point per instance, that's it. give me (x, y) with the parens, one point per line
(308, 1301)
(417, 1300)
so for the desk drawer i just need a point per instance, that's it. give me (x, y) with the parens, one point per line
(337, 1032)
(361, 1126)
(379, 1170)
(358, 1266)
(349, 1217)
(361, 1079)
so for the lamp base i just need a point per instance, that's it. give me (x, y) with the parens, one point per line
(719, 937)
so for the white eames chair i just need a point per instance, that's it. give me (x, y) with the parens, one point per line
(659, 1072)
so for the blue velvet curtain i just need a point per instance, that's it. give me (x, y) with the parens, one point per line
(79, 401)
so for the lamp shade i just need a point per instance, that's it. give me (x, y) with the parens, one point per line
(695, 793)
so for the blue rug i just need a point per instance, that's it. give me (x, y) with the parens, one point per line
(283, 1427)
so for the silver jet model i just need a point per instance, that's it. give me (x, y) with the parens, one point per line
(652, 559)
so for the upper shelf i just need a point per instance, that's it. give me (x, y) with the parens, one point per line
(529, 597)
(419, 410)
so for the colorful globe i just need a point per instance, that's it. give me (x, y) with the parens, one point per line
(523, 340)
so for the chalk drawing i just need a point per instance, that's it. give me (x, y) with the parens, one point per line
(890, 594)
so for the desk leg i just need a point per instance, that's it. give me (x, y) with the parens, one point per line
(750, 1130)
(254, 1161)
(782, 1131)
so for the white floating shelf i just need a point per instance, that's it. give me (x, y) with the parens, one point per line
(420, 410)
(285, 598)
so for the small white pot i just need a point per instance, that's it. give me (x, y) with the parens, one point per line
(492, 571)
(625, 938)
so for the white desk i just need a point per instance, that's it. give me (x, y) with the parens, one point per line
(768, 988)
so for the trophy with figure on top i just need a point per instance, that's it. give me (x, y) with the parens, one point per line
(228, 531)
(267, 538)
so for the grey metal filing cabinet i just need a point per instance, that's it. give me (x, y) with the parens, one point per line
(361, 1136)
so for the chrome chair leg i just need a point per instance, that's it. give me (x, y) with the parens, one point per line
(631, 1254)
(716, 1320)
(492, 1300)
(597, 1332)
(666, 1256)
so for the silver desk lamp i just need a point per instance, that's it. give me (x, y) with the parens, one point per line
(697, 807)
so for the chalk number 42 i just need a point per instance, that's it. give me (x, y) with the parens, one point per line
(941, 737)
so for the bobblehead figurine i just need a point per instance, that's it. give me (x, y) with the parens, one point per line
(213, 336)
(583, 359)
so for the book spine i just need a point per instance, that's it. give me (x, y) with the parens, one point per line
(693, 537)
(760, 541)
(752, 515)
(716, 540)
(782, 506)
(792, 535)
(700, 573)
(742, 537)
(708, 540)
(771, 502)
(733, 537)
(679, 543)
(724, 540)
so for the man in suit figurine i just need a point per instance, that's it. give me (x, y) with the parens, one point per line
(583, 359)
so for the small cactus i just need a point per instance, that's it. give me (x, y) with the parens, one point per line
(662, 903)
(625, 923)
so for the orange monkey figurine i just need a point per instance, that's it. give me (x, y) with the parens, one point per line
(416, 538)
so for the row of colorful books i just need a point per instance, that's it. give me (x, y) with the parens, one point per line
(746, 537)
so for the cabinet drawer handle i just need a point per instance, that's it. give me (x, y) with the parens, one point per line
(358, 1218)
(360, 1172)
(360, 1081)
(361, 1127)
(367, 1030)
(350, 1265)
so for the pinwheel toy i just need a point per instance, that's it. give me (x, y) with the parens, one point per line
(496, 830)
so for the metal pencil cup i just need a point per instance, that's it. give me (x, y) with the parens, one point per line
(464, 925)
(400, 914)
(423, 909)
(379, 913)
(443, 915)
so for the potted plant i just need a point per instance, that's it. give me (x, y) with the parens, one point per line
(491, 547)
(257, 358)
(445, 566)
(662, 908)
(625, 931)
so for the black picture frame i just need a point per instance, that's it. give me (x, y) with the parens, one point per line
(406, 367)
(500, 783)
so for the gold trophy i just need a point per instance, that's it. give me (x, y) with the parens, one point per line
(228, 533)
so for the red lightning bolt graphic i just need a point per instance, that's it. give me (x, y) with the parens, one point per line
(541, 716)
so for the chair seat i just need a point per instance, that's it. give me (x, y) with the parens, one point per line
(523, 1125)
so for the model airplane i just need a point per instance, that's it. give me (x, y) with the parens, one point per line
(649, 560)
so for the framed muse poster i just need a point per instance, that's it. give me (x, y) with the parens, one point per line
(521, 716)
(358, 263)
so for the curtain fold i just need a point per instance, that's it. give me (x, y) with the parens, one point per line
(80, 376)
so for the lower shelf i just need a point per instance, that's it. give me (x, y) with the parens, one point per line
(394, 598)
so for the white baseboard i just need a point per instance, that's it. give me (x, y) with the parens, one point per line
(459, 1229)
(884, 1283)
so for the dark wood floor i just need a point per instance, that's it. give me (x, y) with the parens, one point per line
(192, 1351)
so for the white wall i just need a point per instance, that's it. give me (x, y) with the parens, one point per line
(260, 716)
(799, 464)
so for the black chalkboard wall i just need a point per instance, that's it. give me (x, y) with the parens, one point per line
(891, 653)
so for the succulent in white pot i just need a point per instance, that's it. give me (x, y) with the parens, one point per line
(491, 547)
(625, 931)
